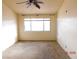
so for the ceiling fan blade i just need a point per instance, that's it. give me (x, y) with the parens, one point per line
(21, 2)
(28, 5)
(31, 1)
(37, 5)
(40, 2)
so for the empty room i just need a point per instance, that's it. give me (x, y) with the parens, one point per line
(39, 29)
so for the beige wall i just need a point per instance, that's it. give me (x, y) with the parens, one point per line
(67, 28)
(9, 27)
(37, 35)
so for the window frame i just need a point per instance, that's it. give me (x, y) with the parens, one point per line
(37, 20)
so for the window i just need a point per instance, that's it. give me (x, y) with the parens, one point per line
(37, 24)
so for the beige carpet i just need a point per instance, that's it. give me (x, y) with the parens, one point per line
(35, 50)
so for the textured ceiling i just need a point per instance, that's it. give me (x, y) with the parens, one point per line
(49, 7)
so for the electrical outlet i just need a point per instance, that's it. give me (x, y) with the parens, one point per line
(72, 52)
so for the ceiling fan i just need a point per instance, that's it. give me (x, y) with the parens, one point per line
(34, 2)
